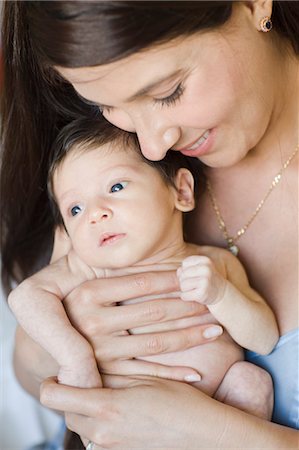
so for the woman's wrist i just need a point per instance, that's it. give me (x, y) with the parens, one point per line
(237, 429)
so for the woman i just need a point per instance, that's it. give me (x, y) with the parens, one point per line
(209, 79)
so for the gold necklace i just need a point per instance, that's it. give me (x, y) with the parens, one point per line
(231, 240)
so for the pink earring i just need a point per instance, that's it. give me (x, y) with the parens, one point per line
(266, 24)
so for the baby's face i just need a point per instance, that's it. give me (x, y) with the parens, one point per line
(116, 208)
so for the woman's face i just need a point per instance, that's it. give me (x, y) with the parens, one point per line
(208, 95)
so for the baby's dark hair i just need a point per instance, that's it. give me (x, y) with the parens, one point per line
(89, 133)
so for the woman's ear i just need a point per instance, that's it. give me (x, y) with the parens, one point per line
(259, 9)
(184, 193)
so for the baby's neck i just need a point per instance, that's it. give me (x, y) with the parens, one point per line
(166, 259)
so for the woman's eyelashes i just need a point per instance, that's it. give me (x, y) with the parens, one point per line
(172, 98)
(118, 186)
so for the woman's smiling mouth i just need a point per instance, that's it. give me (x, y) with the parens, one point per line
(200, 146)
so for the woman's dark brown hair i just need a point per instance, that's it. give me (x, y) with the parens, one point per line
(36, 102)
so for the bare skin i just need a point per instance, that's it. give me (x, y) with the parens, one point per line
(269, 252)
(106, 419)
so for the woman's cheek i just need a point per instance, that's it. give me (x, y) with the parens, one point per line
(120, 119)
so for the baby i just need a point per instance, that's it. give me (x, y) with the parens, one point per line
(124, 214)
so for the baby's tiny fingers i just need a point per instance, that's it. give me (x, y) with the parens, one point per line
(197, 294)
(188, 284)
(192, 295)
(194, 260)
(202, 271)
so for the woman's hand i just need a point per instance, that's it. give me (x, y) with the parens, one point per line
(91, 308)
(136, 413)
(145, 414)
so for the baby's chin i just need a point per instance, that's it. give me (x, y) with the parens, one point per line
(116, 264)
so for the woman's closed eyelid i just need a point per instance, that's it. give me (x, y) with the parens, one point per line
(167, 100)
(173, 97)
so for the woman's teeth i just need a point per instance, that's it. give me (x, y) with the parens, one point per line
(200, 141)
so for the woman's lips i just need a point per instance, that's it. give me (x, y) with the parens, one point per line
(110, 238)
(200, 146)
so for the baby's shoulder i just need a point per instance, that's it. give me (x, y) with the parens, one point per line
(210, 251)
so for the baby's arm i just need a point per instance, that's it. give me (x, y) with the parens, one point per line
(37, 305)
(220, 282)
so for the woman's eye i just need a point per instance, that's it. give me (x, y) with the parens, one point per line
(172, 98)
(75, 210)
(118, 186)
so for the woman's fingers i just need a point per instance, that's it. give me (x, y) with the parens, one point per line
(132, 346)
(112, 319)
(107, 291)
(150, 312)
(71, 399)
(84, 401)
(120, 333)
(176, 324)
(135, 367)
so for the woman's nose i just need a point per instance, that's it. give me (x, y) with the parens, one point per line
(155, 142)
(156, 136)
(98, 214)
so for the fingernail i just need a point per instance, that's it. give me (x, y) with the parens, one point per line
(192, 377)
(212, 332)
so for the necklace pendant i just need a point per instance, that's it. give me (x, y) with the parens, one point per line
(232, 247)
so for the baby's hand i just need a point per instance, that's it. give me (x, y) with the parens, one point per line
(83, 375)
(200, 281)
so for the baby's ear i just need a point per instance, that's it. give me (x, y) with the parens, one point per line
(62, 243)
(184, 194)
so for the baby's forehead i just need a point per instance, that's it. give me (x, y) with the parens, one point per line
(98, 160)
(115, 150)
(106, 150)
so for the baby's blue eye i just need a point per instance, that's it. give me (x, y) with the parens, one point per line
(118, 186)
(75, 210)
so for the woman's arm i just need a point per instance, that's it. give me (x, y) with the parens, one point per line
(147, 413)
